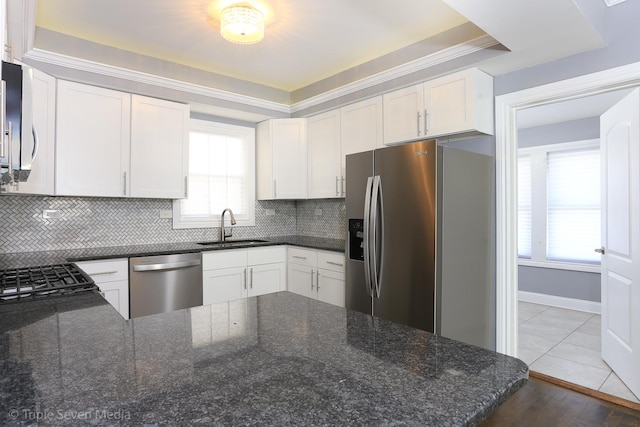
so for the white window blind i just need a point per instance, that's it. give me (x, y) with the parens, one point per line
(221, 175)
(573, 205)
(524, 206)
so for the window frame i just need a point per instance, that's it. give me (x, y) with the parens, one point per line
(539, 206)
(249, 135)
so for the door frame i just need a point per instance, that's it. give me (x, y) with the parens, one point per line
(506, 132)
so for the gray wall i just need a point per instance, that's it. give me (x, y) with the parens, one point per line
(551, 281)
(623, 48)
(574, 130)
(562, 283)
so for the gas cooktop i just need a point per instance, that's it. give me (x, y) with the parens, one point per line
(29, 283)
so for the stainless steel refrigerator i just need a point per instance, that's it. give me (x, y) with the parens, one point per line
(420, 239)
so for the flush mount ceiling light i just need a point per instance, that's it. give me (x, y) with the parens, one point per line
(242, 23)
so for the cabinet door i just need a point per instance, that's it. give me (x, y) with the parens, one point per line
(330, 287)
(289, 158)
(266, 279)
(301, 280)
(403, 114)
(117, 294)
(112, 277)
(92, 141)
(159, 148)
(223, 285)
(460, 102)
(361, 129)
(41, 178)
(323, 150)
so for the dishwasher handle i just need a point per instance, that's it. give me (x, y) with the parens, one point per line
(166, 266)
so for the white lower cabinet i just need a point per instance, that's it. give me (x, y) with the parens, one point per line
(112, 277)
(316, 274)
(241, 273)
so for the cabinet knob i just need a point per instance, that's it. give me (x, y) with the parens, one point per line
(600, 250)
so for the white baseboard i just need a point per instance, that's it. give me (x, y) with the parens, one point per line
(561, 302)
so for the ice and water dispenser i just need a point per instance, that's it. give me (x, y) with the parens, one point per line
(356, 239)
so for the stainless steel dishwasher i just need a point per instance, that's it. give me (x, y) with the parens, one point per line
(164, 283)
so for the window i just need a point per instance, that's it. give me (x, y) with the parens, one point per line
(559, 204)
(221, 175)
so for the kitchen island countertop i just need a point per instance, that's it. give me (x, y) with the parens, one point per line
(277, 359)
(30, 259)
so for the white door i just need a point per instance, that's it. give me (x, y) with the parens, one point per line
(620, 150)
(323, 153)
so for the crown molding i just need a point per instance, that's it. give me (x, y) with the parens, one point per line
(419, 64)
(150, 79)
(453, 52)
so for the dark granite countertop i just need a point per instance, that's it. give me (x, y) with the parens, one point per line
(278, 359)
(27, 259)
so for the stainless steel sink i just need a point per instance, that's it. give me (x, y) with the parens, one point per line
(232, 243)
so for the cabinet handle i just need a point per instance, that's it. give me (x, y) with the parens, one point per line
(342, 185)
(318, 281)
(186, 186)
(312, 280)
(298, 257)
(335, 263)
(251, 278)
(124, 183)
(103, 273)
(426, 128)
(418, 122)
(337, 182)
(274, 188)
(245, 278)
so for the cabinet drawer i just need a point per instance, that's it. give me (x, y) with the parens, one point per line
(302, 257)
(331, 261)
(257, 256)
(103, 271)
(224, 259)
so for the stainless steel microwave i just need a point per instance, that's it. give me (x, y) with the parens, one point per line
(19, 142)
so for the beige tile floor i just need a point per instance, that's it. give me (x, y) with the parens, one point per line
(565, 344)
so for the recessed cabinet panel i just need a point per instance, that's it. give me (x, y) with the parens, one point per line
(323, 145)
(92, 141)
(281, 149)
(159, 148)
(403, 114)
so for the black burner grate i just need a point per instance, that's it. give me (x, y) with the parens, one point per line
(28, 283)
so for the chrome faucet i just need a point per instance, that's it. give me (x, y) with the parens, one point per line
(223, 234)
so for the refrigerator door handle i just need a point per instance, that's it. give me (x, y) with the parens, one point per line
(377, 234)
(366, 239)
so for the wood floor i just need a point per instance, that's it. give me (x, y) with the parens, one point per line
(540, 403)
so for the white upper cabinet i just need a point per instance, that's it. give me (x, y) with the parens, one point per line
(92, 141)
(361, 126)
(331, 136)
(114, 144)
(42, 174)
(281, 152)
(403, 114)
(323, 150)
(458, 103)
(159, 148)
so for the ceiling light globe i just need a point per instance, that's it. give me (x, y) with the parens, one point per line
(242, 24)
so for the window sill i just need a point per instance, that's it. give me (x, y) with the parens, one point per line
(589, 268)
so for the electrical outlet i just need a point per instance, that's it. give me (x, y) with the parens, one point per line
(318, 212)
(166, 213)
(269, 212)
(50, 214)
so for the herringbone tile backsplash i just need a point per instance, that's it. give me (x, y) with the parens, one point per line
(96, 222)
